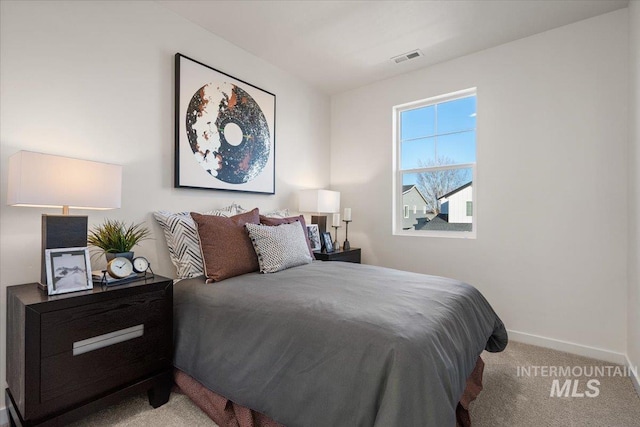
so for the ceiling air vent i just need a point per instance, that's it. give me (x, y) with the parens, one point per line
(407, 56)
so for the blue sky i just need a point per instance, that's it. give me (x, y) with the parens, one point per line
(454, 122)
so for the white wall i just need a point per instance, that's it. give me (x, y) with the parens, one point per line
(94, 80)
(633, 335)
(551, 248)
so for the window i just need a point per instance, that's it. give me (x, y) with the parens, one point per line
(435, 152)
(405, 210)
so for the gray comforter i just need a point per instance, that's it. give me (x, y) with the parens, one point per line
(335, 344)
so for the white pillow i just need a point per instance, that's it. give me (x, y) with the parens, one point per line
(279, 247)
(183, 241)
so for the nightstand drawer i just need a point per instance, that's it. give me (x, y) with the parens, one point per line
(100, 370)
(116, 341)
(62, 328)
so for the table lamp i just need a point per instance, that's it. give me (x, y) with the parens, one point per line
(319, 202)
(48, 181)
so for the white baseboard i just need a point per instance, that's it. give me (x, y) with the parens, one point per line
(4, 417)
(569, 347)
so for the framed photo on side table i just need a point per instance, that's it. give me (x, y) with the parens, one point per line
(314, 237)
(327, 244)
(68, 270)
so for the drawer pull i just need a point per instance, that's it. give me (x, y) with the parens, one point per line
(101, 341)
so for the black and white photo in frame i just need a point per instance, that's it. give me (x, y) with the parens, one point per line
(327, 243)
(314, 237)
(68, 270)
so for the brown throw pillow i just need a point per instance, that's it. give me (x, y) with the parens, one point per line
(277, 221)
(227, 250)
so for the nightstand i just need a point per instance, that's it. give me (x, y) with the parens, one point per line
(350, 255)
(71, 354)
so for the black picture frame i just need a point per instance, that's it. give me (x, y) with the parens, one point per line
(327, 242)
(224, 131)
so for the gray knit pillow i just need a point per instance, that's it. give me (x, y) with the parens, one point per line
(280, 247)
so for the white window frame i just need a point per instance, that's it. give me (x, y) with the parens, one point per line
(398, 171)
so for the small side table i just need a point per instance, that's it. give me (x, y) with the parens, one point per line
(71, 354)
(351, 255)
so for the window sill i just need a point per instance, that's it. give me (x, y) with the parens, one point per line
(438, 234)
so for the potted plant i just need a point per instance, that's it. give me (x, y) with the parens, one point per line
(116, 238)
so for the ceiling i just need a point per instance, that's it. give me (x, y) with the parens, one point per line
(341, 45)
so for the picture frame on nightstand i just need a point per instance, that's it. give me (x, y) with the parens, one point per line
(68, 270)
(327, 243)
(314, 237)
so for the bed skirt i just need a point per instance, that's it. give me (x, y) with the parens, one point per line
(226, 413)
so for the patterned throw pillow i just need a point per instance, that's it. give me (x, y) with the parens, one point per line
(279, 213)
(182, 239)
(279, 247)
(226, 247)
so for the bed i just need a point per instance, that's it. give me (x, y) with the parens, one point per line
(324, 343)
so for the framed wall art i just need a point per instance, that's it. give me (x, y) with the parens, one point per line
(68, 270)
(224, 131)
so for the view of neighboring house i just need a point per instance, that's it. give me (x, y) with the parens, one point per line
(458, 204)
(414, 207)
(456, 211)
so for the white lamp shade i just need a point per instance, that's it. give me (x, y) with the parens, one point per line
(44, 180)
(319, 201)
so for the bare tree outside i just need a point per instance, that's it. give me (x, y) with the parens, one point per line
(437, 183)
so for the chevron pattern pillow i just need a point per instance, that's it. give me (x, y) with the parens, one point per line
(182, 239)
(279, 247)
(278, 213)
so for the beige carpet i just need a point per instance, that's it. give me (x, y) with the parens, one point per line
(508, 400)
(512, 400)
(136, 412)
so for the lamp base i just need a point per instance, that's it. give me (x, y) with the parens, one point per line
(321, 220)
(61, 231)
(346, 245)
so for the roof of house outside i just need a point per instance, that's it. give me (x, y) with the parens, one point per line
(407, 188)
(450, 193)
(441, 223)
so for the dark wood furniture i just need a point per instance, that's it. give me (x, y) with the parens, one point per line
(71, 354)
(350, 255)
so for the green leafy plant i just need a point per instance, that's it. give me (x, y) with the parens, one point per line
(115, 236)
